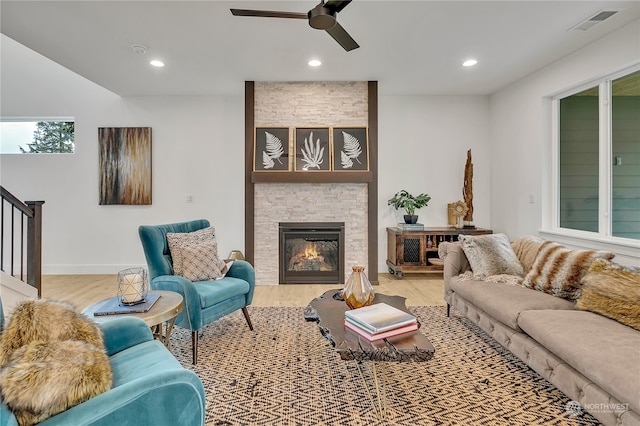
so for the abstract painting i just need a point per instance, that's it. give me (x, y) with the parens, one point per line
(125, 165)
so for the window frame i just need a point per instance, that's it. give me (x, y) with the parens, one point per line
(603, 239)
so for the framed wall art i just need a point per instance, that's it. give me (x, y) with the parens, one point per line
(312, 151)
(125, 165)
(271, 149)
(350, 148)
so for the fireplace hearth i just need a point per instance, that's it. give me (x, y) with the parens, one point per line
(311, 252)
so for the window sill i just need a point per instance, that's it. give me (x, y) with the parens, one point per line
(627, 251)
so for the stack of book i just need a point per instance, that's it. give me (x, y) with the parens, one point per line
(411, 226)
(379, 321)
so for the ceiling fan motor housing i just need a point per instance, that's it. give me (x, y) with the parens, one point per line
(321, 18)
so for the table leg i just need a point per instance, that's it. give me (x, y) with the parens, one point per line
(380, 390)
(162, 336)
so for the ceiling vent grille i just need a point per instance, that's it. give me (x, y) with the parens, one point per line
(591, 22)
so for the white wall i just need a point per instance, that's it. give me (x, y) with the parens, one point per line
(520, 134)
(198, 148)
(423, 148)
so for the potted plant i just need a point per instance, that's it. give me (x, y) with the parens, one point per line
(409, 203)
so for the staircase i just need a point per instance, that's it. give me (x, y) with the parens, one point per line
(20, 248)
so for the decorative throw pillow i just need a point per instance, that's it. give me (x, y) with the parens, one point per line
(59, 352)
(526, 249)
(613, 291)
(200, 262)
(490, 255)
(199, 243)
(558, 270)
(60, 374)
(45, 320)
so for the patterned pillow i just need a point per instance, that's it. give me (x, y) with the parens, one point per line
(558, 270)
(185, 247)
(490, 255)
(613, 291)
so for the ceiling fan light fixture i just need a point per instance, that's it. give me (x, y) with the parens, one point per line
(321, 18)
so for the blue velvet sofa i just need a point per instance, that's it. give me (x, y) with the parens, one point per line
(150, 387)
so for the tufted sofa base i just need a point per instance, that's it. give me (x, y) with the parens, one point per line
(556, 371)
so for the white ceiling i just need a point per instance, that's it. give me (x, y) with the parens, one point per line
(410, 47)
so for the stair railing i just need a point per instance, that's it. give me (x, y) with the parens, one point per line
(25, 250)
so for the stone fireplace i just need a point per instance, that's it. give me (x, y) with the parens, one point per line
(290, 196)
(311, 252)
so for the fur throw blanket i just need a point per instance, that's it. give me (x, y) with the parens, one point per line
(59, 352)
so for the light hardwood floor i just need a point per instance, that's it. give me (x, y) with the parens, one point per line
(418, 289)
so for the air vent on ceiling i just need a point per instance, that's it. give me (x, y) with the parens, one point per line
(589, 23)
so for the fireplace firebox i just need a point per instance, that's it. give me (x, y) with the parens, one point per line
(311, 252)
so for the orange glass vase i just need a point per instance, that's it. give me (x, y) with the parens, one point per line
(358, 291)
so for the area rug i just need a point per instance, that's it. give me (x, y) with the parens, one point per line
(285, 373)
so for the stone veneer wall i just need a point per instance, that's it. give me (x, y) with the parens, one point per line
(307, 104)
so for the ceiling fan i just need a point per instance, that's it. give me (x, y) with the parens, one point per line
(321, 17)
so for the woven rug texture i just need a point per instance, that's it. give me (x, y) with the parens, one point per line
(285, 373)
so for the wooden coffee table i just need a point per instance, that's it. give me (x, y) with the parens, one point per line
(328, 311)
(166, 309)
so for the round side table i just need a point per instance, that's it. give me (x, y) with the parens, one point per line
(166, 309)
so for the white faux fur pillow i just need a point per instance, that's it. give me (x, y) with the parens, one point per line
(490, 255)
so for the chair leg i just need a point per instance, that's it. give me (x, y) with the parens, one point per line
(194, 346)
(448, 309)
(246, 316)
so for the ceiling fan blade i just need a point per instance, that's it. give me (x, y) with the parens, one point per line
(340, 35)
(336, 5)
(268, 13)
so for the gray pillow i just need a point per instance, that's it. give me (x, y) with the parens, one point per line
(490, 255)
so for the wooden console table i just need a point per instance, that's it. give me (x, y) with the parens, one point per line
(417, 251)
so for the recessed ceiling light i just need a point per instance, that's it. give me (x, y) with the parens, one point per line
(314, 63)
(469, 63)
(157, 63)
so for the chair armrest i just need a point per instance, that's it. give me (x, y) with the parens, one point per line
(243, 270)
(125, 332)
(455, 263)
(169, 397)
(191, 315)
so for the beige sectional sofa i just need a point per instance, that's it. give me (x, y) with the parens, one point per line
(591, 358)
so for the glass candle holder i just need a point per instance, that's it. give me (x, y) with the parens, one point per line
(133, 286)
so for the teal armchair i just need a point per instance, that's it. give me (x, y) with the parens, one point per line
(150, 387)
(205, 301)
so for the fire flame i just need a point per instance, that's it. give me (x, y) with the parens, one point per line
(310, 251)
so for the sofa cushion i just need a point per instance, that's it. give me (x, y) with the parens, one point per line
(505, 302)
(558, 270)
(195, 254)
(613, 291)
(601, 349)
(490, 255)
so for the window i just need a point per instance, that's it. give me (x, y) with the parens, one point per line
(32, 136)
(598, 166)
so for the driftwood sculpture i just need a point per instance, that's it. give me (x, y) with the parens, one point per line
(467, 189)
